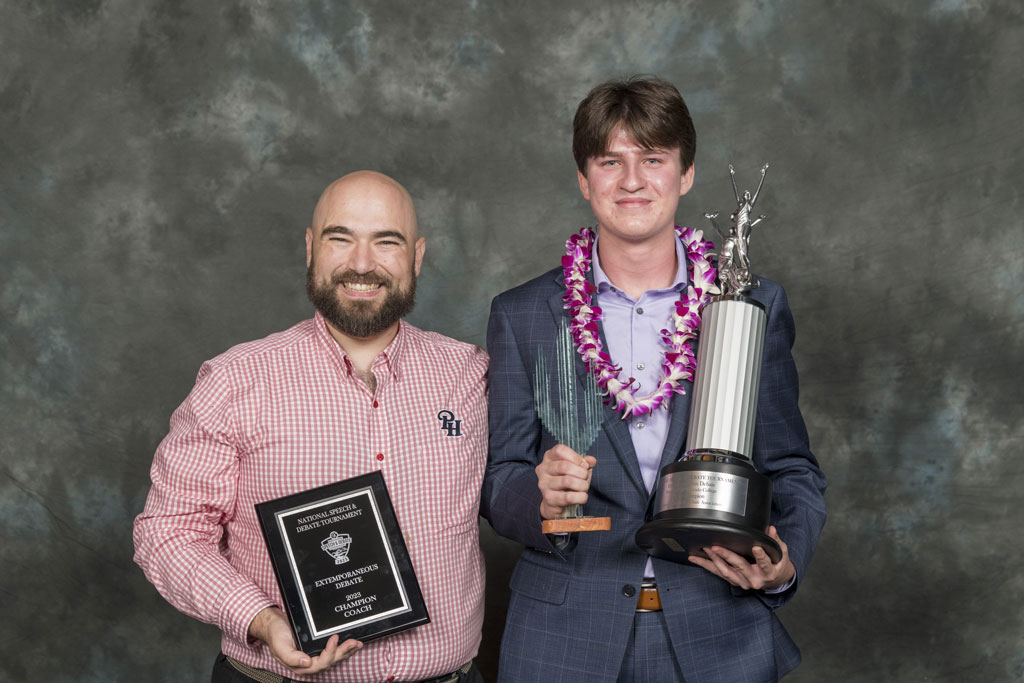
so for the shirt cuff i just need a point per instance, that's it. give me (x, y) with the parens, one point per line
(783, 588)
(240, 607)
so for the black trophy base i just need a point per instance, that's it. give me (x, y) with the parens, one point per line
(677, 539)
(709, 498)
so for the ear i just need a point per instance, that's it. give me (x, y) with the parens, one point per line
(686, 180)
(309, 246)
(421, 248)
(584, 185)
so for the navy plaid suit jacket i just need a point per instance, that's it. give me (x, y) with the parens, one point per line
(571, 611)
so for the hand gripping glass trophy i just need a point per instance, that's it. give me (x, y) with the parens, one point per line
(571, 424)
(713, 496)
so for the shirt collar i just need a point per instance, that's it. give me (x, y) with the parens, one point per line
(390, 357)
(678, 284)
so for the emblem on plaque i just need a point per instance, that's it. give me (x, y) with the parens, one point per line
(336, 545)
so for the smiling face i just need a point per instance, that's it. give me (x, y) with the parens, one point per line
(633, 190)
(363, 255)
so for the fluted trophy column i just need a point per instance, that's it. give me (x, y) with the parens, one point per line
(713, 495)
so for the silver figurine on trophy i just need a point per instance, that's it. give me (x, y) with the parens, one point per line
(573, 426)
(712, 495)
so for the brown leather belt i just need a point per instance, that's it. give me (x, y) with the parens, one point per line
(648, 599)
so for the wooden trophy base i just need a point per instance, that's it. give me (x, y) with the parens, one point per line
(568, 525)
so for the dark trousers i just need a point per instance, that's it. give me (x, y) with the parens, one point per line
(225, 673)
(649, 653)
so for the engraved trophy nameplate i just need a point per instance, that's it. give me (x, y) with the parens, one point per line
(713, 496)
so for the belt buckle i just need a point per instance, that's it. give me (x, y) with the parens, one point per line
(647, 585)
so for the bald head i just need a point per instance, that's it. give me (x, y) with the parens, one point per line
(373, 195)
(363, 254)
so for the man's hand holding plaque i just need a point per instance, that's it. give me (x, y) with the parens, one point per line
(272, 627)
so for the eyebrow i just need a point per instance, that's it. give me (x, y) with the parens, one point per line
(643, 150)
(377, 234)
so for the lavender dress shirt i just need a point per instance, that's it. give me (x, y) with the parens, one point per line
(632, 328)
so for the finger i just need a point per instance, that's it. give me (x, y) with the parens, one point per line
(563, 452)
(565, 469)
(329, 649)
(560, 499)
(570, 483)
(561, 468)
(711, 567)
(774, 534)
(731, 558)
(347, 649)
(295, 660)
(764, 563)
(730, 566)
(283, 649)
(553, 503)
(322, 660)
(703, 562)
(555, 492)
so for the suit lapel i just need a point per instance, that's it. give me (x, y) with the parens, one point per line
(614, 427)
(679, 407)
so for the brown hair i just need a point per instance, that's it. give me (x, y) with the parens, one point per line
(651, 110)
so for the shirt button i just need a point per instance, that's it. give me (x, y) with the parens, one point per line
(629, 590)
(374, 404)
(391, 678)
(639, 311)
(639, 366)
(380, 456)
(639, 425)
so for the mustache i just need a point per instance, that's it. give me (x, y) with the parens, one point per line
(360, 278)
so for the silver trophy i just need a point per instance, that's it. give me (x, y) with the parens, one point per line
(572, 425)
(713, 496)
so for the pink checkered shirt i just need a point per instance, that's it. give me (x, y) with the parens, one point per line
(286, 413)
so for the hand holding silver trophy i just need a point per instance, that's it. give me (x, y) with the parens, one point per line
(713, 496)
(576, 427)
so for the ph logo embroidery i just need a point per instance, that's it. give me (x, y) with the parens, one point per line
(449, 425)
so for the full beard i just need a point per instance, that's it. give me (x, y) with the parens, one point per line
(360, 319)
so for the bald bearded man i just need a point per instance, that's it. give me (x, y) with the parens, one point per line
(353, 390)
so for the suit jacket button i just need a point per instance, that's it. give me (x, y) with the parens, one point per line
(629, 590)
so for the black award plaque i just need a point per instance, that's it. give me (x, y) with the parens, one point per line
(341, 563)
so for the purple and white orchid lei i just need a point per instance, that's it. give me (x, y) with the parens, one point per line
(679, 362)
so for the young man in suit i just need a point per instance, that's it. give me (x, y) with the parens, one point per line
(593, 607)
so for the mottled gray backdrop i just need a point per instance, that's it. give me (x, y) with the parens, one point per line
(159, 162)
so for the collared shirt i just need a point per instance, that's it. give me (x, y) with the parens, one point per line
(633, 330)
(287, 413)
